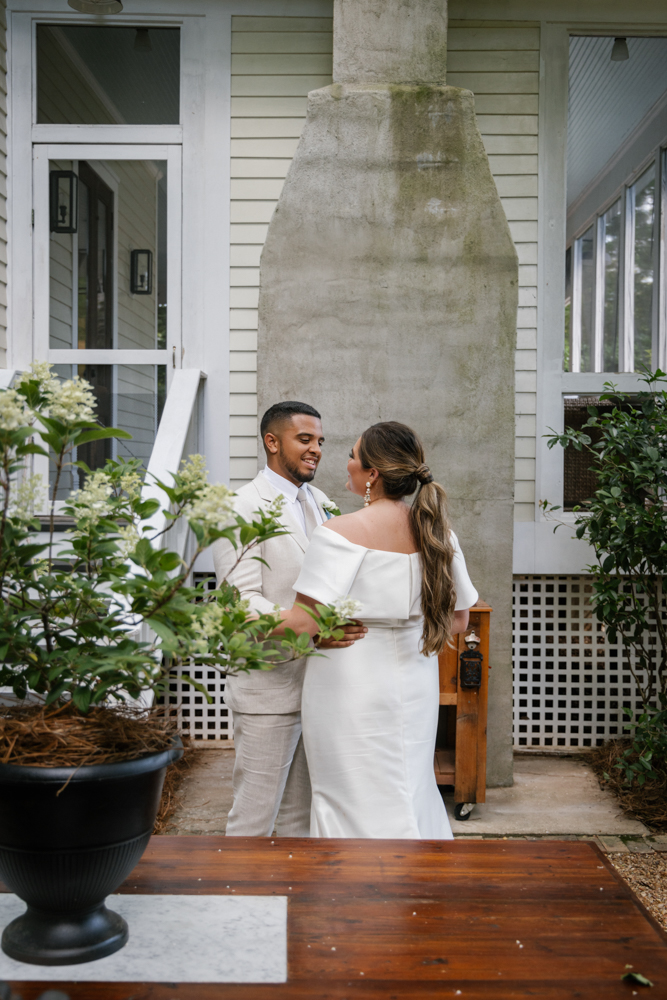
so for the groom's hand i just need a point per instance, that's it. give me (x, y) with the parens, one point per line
(352, 633)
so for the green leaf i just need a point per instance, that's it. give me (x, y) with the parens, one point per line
(100, 433)
(636, 977)
(170, 561)
(161, 629)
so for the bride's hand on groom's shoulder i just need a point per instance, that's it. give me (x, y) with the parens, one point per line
(357, 630)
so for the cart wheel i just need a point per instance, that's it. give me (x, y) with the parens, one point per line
(462, 810)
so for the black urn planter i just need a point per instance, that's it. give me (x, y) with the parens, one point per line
(68, 837)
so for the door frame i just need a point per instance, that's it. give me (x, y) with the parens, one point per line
(204, 138)
(42, 155)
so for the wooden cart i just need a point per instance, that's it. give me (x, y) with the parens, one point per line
(460, 756)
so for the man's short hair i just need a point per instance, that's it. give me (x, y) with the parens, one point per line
(281, 412)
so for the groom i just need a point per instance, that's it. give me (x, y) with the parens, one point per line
(271, 785)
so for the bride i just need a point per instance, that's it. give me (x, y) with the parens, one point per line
(370, 709)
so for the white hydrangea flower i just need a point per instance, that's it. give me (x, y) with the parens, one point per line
(92, 502)
(41, 371)
(130, 484)
(27, 496)
(129, 536)
(71, 401)
(193, 471)
(208, 626)
(214, 507)
(347, 607)
(12, 410)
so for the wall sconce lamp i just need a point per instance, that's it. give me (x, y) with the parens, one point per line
(619, 51)
(96, 6)
(141, 272)
(63, 201)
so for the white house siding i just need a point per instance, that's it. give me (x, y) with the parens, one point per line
(3, 186)
(276, 61)
(501, 66)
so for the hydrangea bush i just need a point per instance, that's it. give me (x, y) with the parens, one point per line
(72, 604)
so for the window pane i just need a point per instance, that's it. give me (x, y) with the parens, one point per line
(122, 207)
(128, 396)
(568, 310)
(586, 244)
(90, 75)
(611, 237)
(643, 195)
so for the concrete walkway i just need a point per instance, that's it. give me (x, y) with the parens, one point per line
(205, 797)
(551, 796)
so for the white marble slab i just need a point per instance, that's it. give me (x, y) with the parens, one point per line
(178, 939)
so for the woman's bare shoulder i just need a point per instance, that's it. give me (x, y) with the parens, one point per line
(347, 525)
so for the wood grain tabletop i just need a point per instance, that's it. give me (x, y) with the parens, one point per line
(413, 919)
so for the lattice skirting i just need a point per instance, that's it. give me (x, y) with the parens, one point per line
(196, 717)
(570, 687)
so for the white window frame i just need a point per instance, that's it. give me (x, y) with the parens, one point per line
(537, 549)
(626, 331)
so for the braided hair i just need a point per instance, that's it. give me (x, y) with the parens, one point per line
(398, 455)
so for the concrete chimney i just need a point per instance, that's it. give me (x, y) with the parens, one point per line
(388, 290)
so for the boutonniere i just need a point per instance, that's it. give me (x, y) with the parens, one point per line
(330, 507)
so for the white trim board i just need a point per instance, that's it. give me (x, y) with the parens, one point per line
(537, 549)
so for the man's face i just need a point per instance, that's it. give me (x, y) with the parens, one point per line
(294, 448)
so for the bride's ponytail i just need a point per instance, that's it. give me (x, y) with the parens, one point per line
(398, 455)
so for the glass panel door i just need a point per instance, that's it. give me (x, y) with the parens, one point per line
(107, 282)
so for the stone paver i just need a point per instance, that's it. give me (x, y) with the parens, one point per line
(639, 847)
(612, 845)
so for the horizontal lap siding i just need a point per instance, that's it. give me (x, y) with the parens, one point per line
(501, 66)
(276, 61)
(3, 187)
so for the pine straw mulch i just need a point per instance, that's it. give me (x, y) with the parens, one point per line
(60, 736)
(648, 802)
(646, 874)
(173, 779)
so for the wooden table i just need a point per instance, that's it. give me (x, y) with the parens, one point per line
(411, 919)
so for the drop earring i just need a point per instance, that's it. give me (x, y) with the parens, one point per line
(367, 495)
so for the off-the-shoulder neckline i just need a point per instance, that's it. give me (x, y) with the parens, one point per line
(366, 547)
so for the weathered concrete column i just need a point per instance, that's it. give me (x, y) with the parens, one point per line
(388, 290)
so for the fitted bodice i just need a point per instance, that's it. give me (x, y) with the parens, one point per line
(386, 584)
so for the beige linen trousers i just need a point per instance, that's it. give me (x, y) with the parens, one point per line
(271, 786)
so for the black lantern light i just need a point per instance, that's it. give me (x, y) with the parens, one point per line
(63, 201)
(619, 50)
(141, 272)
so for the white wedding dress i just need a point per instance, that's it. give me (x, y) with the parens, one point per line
(370, 711)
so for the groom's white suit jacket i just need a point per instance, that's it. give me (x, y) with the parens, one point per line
(277, 691)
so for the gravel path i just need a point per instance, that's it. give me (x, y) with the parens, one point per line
(646, 874)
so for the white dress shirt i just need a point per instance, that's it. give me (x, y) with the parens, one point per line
(289, 491)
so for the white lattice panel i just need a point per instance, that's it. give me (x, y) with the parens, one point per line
(570, 686)
(196, 717)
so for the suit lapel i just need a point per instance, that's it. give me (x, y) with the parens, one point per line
(269, 493)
